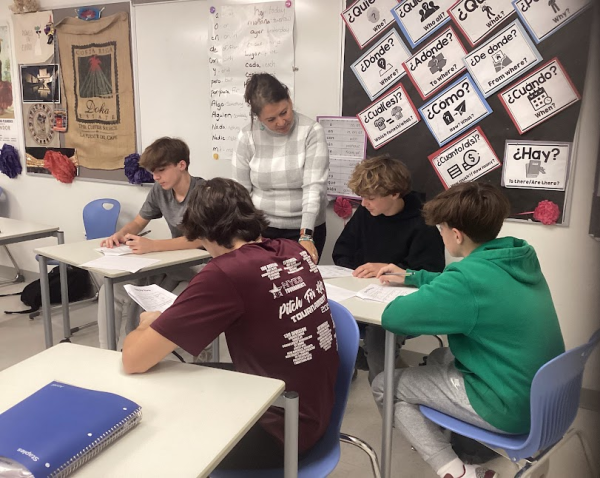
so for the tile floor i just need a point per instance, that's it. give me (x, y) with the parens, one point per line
(21, 338)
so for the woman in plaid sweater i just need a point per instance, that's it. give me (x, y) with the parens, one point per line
(281, 157)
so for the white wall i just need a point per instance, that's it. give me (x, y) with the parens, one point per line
(570, 258)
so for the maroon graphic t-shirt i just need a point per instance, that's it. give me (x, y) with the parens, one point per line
(269, 299)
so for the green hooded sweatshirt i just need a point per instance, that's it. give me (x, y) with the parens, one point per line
(496, 308)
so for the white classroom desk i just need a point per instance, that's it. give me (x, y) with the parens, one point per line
(191, 416)
(369, 312)
(13, 231)
(78, 253)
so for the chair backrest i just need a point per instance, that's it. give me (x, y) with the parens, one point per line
(100, 218)
(347, 336)
(555, 393)
(327, 450)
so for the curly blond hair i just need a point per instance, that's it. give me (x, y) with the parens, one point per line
(380, 176)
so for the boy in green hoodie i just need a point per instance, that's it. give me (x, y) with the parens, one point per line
(495, 307)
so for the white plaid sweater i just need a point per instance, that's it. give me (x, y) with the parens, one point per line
(286, 174)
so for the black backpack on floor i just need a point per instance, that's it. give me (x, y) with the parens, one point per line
(78, 282)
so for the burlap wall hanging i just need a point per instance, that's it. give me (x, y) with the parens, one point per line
(95, 61)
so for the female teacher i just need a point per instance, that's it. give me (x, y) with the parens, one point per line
(282, 159)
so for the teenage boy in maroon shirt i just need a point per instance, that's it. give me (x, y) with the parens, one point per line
(268, 297)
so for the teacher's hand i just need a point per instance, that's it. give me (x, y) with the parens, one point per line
(311, 249)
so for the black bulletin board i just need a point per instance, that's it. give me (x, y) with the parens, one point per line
(570, 44)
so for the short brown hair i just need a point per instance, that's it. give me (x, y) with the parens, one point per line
(221, 210)
(381, 176)
(165, 151)
(476, 209)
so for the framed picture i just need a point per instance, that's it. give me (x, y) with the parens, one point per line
(40, 83)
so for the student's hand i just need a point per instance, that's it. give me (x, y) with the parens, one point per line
(312, 250)
(146, 318)
(113, 241)
(370, 269)
(391, 269)
(139, 245)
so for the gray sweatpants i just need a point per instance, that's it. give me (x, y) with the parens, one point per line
(437, 385)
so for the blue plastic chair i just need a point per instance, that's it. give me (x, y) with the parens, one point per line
(100, 218)
(321, 460)
(555, 393)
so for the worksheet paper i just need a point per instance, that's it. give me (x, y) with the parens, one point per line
(338, 293)
(115, 251)
(383, 293)
(331, 272)
(120, 263)
(151, 297)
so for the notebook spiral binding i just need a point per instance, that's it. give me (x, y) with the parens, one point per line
(98, 445)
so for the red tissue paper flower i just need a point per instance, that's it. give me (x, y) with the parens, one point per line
(61, 167)
(546, 212)
(342, 207)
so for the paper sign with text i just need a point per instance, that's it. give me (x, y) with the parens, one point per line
(465, 159)
(381, 66)
(347, 145)
(536, 165)
(502, 58)
(545, 17)
(455, 110)
(368, 18)
(436, 63)
(388, 117)
(477, 18)
(539, 96)
(420, 18)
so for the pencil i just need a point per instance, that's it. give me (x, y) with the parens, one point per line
(405, 274)
(141, 234)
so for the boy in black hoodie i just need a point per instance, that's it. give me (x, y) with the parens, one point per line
(386, 228)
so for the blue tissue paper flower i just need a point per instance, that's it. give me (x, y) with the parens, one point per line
(134, 173)
(10, 164)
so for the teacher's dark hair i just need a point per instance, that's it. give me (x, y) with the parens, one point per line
(221, 210)
(263, 89)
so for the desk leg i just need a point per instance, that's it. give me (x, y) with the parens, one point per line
(64, 290)
(216, 355)
(290, 458)
(64, 299)
(45, 289)
(109, 294)
(388, 404)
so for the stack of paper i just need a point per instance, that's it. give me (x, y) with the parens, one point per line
(382, 293)
(120, 263)
(338, 293)
(115, 251)
(151, 297)
(331, 272)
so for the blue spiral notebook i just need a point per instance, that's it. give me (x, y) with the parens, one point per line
(60, 427)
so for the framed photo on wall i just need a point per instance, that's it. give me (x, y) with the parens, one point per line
(40, 83)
